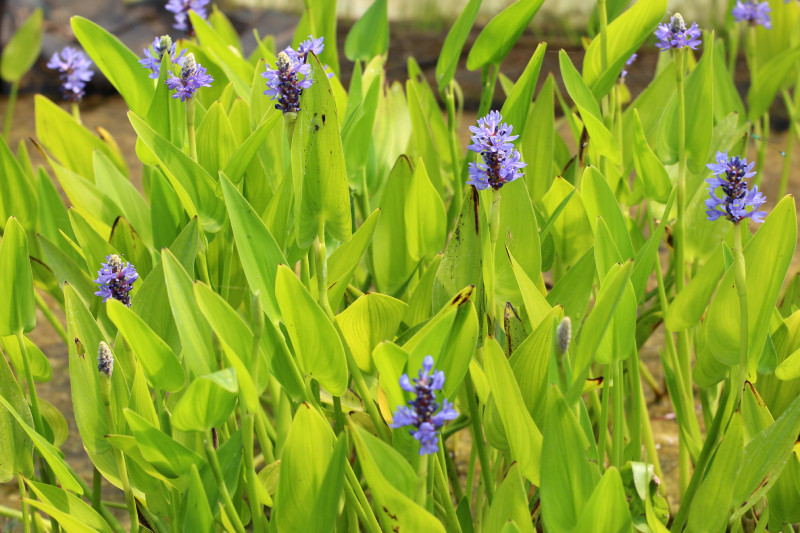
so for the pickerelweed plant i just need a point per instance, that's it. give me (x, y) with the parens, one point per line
(319, 304)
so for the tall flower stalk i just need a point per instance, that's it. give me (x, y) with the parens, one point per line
(193, 76)
(75, 72)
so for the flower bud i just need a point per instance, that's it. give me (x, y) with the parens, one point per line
(564, 334)
(105, 359)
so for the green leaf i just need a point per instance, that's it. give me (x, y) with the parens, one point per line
(599, 201)
(317, 346)
(194, 186)
(22, 50)
(524, 437)
(257, 248)
(369, 36)
(47, 451)
(195, 334)
(767, 256)
(123, 194)
(238, 163)
(517, 105)
(207, 402)
(607, 509)
(599, 135)
(307, 453)
(216, 142)
(227, 58)
(711, 507)
(530, 362)
(343, 262)
(688, 307)
(766, 454)
(571, 229)
(425, 217)
(625, 35)
(322, 198)
(117, 62)
(17, 306)
(196, 514)
(17, 195)
(771, 76)
(372, 318)
(72, 513)
(16, 448)
(499, 35)
(159, 363)
(37, 361)
(326, 506)
(650, 169)
(384, 468)
(537, 143)
(168, 456)
(510, 504)
(462, 263)
(568, 479)
(454, 43)
(423, 140)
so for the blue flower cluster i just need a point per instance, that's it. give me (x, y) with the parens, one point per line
(284, 83)
(730, 174)
(754, 12)
(181, 9)
(677, 35)
(73, 66)
(153, 54)
(193, 76)
(115, 279)
(421, 412)
(500, 163)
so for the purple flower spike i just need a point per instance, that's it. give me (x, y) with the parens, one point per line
(193, 76)
(730, 174)
(423, 413)
(115, 279)
(677, 35)
(181, 10)
(74, 69)
(753, 12)
(500, 162)
(284, 83)
(152, 55)
(311, 45)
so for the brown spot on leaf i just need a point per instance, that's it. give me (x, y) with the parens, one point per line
(475, 204)
(323, 119)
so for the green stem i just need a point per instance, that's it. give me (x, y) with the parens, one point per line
(421, 495)
(97, 489)
(264, 439)
(603, 425)
(477, 438)
(603, 14)
(76, 112)
(740, 280)
(51, 317)
(367, 517)
(26, 510)
(787, 157)
(230, 509)
(12, 100)
(37, 415)
(705, 454)
(119, 457)
(451, 518)
(458, 182)
(451, 473)
(494, 230)
(190, 116)
(618, 402)
(321, 261)
(251, 479)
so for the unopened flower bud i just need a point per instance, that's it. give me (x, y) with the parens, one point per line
(105, 359)
(164, 44)
(564, 334)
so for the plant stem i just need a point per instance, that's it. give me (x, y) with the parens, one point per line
(190, 116)
(37, 415)
(603, 14)
(453, 525)
(367, 517)
(97, 489)
(76, 112)
(321, 261)
(119, 456)
(617, 394)
(12, 100)
(451, 473)
(256, 511)
(477, 437)
(421, 495)
(740, 280)
(458, 182)
(705, 454)
(230, 509)
(603, 424)
(494, 230)
(26, 510)
(488, 82)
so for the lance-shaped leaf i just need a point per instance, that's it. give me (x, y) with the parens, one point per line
(17, 196)
(369, 36)
(497, 37)
(16, 448)
(257, 248)
(322, 197)
(22, 50)
(17, 307)
(372, 318)
(454, 43)
(317, 346)
(207, 402)
(161, 366)
(168, 456)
